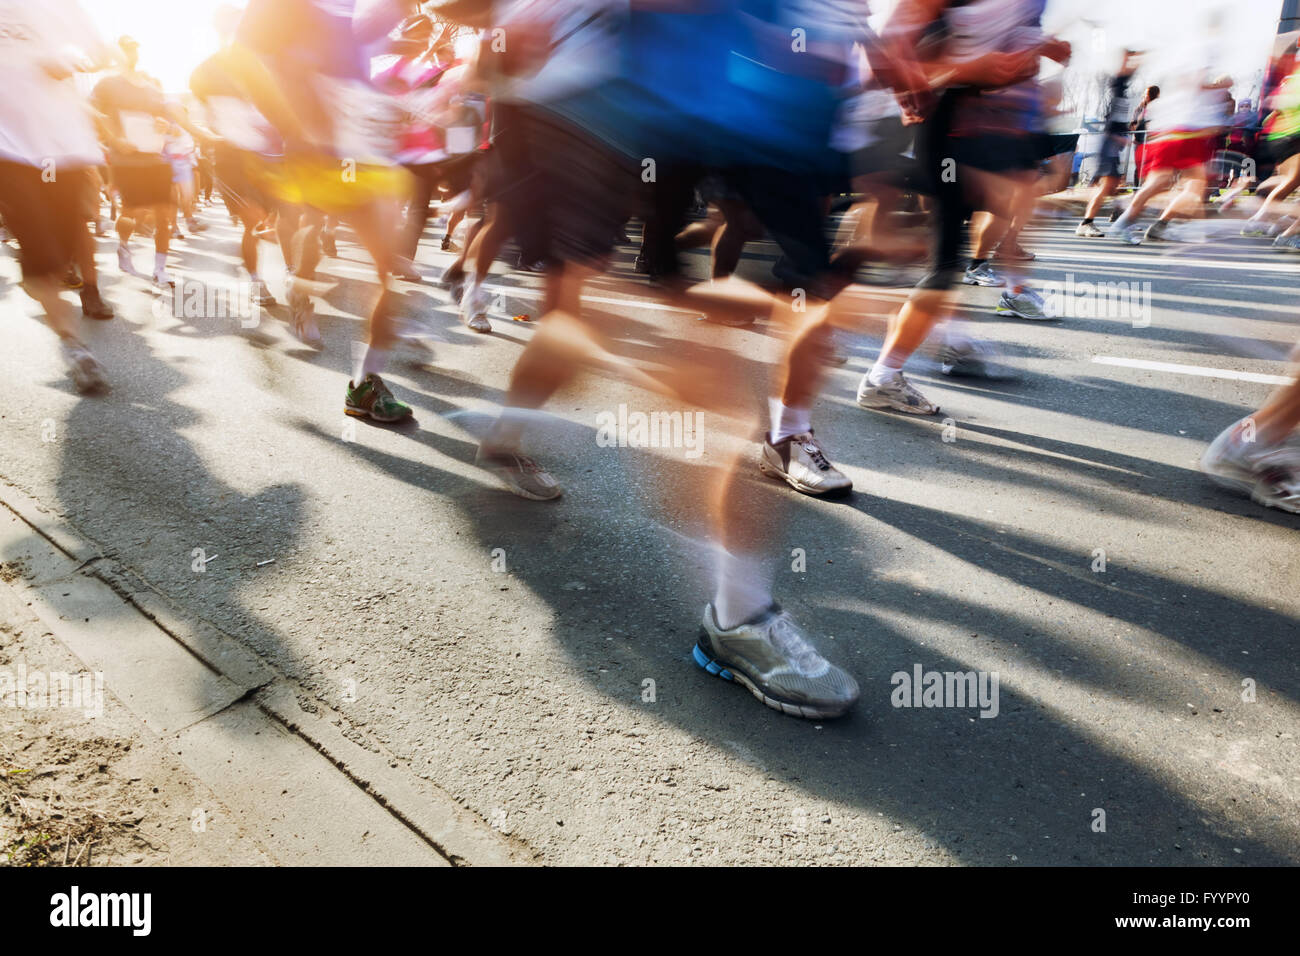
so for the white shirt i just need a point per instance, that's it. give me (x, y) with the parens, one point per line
(44, 120)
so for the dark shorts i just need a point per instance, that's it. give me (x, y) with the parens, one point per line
(1107, 166)
(884, 157)
(565, 195)
(998, 154)
(142, 184)
(1276, 151)
(237, 176)
(44, 217)
(1052, 145)
(787, 204)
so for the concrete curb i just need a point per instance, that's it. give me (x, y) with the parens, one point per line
(314, 795)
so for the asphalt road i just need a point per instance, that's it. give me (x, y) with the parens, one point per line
(522, 692)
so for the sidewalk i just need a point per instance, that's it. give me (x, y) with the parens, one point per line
(153, 754)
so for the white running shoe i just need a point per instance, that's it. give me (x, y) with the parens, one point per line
(124, 262)
(896, 394)
(87, 374)
(801, 462)
(302, 313)
(474, 308)
(984, 275)
(1127, 234)
(1270, 474)
(1025, 304)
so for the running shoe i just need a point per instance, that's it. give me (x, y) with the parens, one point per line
(162, 280)
(195, 226)
(1270, 474)
(448, 245)
(327, 245)
(72, 279)
(1127, 234)
(262, 297)
(303, 314)
(972, 359)
(124, 262)
(1157, 230)
(372, 399)
(771, 656)
(1254, 230)
(519, 473)
(1025, 304)
(87, 374)
(93, 305)
(897, 394)
(984, 275)
(1088, 230)
(801, 462)
(474, 308)
(1287, 243)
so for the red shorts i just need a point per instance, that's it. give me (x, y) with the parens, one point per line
(1186, 153)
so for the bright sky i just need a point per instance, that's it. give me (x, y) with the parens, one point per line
(175, 35)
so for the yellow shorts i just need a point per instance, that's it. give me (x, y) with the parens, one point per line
(335, 186)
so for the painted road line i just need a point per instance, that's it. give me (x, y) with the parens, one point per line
(1200, 370)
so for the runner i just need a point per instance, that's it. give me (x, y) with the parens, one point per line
(305, 65)
(134, 126)
(244, 159)
(1114, 141)
(48, 148)
(1185, 127)
(975, 150)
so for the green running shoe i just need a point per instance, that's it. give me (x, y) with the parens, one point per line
(373, 399)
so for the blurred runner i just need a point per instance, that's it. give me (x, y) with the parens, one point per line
(306, 65)
(1113, 143)
(134, 127)
(48, 148)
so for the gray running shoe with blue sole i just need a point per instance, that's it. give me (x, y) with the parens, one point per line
(771, 657)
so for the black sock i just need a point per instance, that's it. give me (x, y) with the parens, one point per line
(976, 263)
(1086, 221)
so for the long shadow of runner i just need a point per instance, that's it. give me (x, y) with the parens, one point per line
(129, 479)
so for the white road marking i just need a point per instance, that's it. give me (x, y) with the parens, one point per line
(1194, 370)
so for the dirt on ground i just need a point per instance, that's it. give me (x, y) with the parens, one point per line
(100, 790)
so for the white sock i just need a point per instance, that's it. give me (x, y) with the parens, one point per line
(372, 360)
(508, 430)
(255, 278)
(160, 262)
(787, 421)
(744, 588)
(886, 369)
